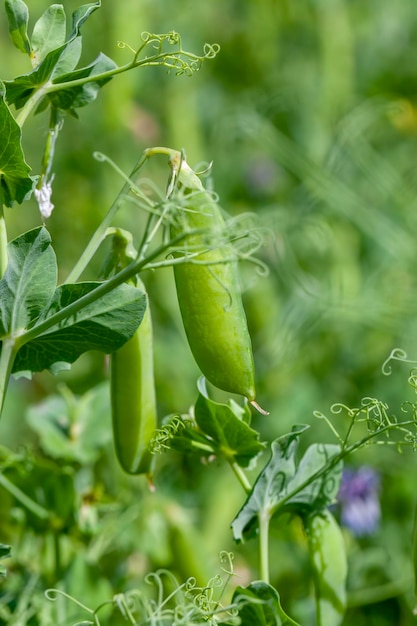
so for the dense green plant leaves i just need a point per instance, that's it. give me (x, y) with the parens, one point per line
(73, 429)
(29, 282)
(18, 16)
(284, 486)
(51, 485)
(55, 55)
(48, 33)
(259, 604)
(15, 182)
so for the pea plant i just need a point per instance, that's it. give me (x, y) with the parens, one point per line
(46, 326)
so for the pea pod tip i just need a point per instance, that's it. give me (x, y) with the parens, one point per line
(258, 408)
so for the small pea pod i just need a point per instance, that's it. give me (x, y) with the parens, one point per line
(132, 388)
(208, 290)
(329, 563)
(133, 400)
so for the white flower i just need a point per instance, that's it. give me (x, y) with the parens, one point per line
(43, 198)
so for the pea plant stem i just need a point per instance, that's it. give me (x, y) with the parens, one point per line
(241, 476)
(264, 519)
(163, 58)
(7, 356)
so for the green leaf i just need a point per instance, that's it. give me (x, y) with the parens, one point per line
(48, 33)
(15, 182)
(230, 437)
(69, 58)
(18, 17)
(319, 493)
(82, 14)
(259, 604)
(283, 486)
(104, 325)
(29, 282)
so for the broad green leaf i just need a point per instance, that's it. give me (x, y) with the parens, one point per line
(231, 437)
(29, 282)
(270, 483)
(15, 182)
(285, 486)
(104, 325)
(18, 16)
(259, 604)
(48, 33)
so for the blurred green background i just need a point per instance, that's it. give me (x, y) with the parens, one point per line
(309, 114)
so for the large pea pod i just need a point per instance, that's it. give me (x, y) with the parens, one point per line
(208, 291)
(133, 401)
(328, 558)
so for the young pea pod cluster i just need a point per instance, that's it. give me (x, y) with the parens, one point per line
(329, 563)
(208, 288)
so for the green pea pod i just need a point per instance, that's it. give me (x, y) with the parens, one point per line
(208, 291)
(329, 563)
(133, 402)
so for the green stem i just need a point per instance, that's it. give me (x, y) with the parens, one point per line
(241, 476)
(7, 356)
(264, 518)
(31, 104)
(3, 243)
(50, 87)
(32, 506)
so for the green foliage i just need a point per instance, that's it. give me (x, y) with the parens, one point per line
(310, 120)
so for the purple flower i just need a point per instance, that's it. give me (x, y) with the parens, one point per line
(359, 500)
